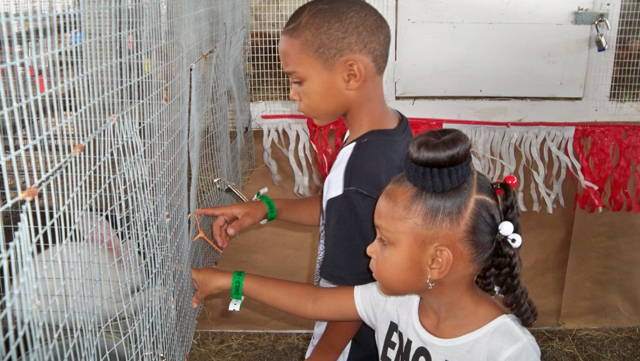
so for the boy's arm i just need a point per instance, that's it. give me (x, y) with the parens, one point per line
(300, 299)
(305, 211)
(235, 217)
(334, 340)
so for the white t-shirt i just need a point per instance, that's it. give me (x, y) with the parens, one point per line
(398, 330)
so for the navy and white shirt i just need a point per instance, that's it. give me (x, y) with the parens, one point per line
(360, 173)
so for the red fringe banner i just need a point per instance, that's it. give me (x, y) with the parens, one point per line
(319, 137)
(596, 147)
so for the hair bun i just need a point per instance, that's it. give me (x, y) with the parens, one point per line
(438, 160)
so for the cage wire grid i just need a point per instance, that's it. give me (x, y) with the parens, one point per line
(115, 119)
(614, 90)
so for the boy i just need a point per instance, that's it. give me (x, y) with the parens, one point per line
(335, 53)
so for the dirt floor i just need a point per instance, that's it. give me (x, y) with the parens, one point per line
(603, 344)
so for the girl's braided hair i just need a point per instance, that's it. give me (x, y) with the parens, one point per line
(473, 207)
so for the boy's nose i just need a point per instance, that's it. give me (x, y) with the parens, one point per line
(293, 95)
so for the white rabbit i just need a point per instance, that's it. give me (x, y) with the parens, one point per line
(79, 283)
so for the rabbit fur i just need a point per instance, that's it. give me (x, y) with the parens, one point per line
(86, 283)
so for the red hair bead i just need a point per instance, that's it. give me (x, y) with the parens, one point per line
(511, 180)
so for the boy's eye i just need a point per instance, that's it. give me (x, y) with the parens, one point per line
(296, 82)
(383, 241)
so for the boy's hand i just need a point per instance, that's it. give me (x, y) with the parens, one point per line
(209, 281)
(234, 218)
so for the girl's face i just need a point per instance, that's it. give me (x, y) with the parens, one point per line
(399, 252)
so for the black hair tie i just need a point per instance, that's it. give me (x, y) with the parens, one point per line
(437, 180)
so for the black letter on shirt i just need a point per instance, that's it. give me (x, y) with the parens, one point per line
(388, 344)
(421, 352)
(404, 350)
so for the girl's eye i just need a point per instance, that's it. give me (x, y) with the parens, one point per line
(296, 82)
(383, 241)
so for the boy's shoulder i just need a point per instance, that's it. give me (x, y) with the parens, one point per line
(401, 134)
(376, 157)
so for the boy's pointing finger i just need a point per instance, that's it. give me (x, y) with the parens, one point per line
(211, 211)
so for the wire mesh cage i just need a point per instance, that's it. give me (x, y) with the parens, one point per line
(115, 118)
(614, 89)
(625, 83)
(268, 17)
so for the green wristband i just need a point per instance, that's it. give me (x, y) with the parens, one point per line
(236, 285)
(271, 208)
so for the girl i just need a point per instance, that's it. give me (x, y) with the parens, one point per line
(446, 263)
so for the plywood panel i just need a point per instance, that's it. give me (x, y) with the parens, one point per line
(545, 252)
(603, 274)
(497, 48)
(492, 11)
(491, 60)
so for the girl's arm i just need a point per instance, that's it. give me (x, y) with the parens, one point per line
(300, 299)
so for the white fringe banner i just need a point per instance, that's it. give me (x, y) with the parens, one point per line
(494, 150)
(297, 151)
(603, 158)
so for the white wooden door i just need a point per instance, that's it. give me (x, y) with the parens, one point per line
(491, 48)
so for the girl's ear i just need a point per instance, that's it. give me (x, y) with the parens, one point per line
(440, 262)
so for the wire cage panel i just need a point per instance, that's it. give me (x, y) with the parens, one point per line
(625, 83)
(614, 90)
(268, 17)
(115, 118)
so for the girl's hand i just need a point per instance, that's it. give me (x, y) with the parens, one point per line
(207, 282)
(300, 299)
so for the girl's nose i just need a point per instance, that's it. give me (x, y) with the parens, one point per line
(370, 249)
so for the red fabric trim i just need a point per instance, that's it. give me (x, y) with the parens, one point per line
(422, 125)
(319, 137)
(596, 148)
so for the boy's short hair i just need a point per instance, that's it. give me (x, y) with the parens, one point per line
(331, 29)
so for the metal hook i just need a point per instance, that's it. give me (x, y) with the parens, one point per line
(602, 20)
(228, 186)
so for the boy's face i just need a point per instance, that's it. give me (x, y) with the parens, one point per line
(317, 89)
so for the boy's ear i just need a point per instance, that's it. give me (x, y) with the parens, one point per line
(354, 72)
(440, 262)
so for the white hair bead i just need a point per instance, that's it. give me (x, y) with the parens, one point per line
(506, 228)
(515, 240)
